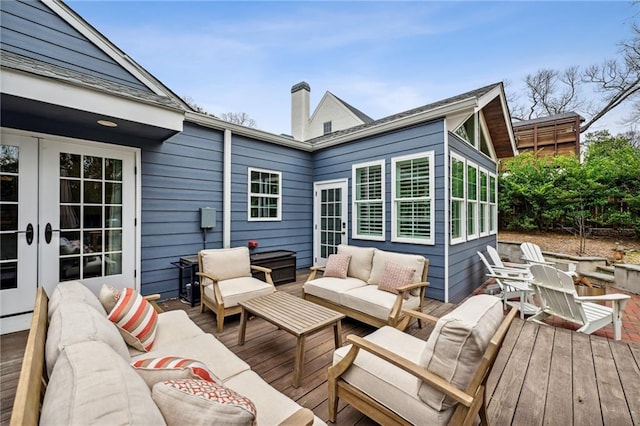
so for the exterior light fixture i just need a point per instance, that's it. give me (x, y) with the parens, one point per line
(107, 123)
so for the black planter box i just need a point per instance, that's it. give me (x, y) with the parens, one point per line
(281, 262)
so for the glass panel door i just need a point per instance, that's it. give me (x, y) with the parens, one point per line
(330, 218)
(18, 226)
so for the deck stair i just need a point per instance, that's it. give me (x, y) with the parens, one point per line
(603, 275)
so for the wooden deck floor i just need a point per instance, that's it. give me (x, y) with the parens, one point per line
(543, 375)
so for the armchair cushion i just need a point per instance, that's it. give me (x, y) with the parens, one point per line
(360, 264)
(388, 384)
(374, 302)
(225, 264)
(456, 346)
(236, 290)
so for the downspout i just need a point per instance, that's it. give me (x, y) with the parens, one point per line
(226, 191)
(446, 211)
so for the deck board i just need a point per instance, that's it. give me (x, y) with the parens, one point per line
(542, 375)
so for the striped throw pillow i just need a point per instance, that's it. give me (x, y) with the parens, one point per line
(136, 319)
(154, 370)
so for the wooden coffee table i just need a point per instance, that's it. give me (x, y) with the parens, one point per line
(295, 316)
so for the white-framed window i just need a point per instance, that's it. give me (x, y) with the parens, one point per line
(368, 201)
(493, 204)
(468, 131)
(457, 189)
(412, 181)
(472, 201)
(265, 195)
(483, 196)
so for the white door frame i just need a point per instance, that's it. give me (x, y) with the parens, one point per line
(39, 139)
(341, 184)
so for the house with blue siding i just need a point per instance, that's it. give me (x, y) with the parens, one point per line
(104, 171)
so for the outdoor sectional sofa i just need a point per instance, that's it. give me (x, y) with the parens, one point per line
(86, 375)
(358, 294)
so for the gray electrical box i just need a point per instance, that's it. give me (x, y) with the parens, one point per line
(207, 217)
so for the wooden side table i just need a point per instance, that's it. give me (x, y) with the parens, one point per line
(294, 315)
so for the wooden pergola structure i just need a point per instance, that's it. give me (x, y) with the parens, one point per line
(552, 135)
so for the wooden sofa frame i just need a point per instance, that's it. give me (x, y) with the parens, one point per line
(33, 380)
(396, 316)
(217, 304)
(471, 401)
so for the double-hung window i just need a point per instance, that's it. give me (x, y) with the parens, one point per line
(472, 201)
(493, 204)
(368, 200)
(484, 202)
(457, 186)
(412, 183)
(265, 195)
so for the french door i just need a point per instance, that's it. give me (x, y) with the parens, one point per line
(330, 218)
(68, 213)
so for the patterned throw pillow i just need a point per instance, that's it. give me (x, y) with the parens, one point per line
(394, 276)
(136, 319)
(109, 296)
(337, 265)
(154, 370)
(199, 402)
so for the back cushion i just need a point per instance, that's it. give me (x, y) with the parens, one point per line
(380, 259)
(73, 291)
(226, 263)
(92, 385)
(360, 263)
(456, 345)
(77, 322)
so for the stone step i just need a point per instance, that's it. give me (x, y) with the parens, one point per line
(606, 269)
(599, 277)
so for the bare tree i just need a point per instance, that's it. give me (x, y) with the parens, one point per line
(197, 108)
(614, 82)
(241, 118)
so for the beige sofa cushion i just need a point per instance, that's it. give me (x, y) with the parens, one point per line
(388, 384)
(173, 326)
(381, 257)
(372, 301)
(456, 345)
(225, 264)
(360, 263)
(77, 322)
(330, 288)
(272, 406)
(73, 291)
(236, 290)
(92, 385)
(204, 348)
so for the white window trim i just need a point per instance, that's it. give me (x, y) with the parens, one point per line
(494, 204)
(354, 202)
(394, 211)
(250, 194)
(463, 210)
(482, 204)
(476, 203)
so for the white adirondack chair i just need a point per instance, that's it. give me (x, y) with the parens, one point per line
(558, 297)
(514, 286)
(517, 268)
(532, 254)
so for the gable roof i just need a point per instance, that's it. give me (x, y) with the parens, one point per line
(361, 115)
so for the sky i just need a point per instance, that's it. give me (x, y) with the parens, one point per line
(381, 57)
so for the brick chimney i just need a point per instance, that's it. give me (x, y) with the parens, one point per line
(300, 95)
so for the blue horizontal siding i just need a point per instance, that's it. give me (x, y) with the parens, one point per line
(31, 29)
(178, 177)
(336, 163)
(294, 231)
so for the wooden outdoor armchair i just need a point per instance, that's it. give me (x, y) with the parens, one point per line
(226, 280)
(383, 359)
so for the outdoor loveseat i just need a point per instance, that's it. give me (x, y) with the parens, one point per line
(86, 371)
(370, 285)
